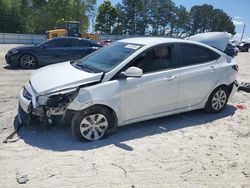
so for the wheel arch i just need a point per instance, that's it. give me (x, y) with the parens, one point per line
(111, 110)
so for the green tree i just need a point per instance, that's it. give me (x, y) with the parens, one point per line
(106, 18)
(136, 16)
(161, 14)
(9, 17)
(119, 27)
(37, 16)
(180, 23)
(205, 18)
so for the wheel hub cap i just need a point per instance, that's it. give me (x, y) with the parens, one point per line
(219, 100)
(29, 62)
(93, 127)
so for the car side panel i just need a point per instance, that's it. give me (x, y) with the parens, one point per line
(153, 93)
(106, 93)
(196, 82)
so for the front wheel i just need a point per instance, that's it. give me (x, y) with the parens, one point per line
(92, 124)
(217, 100)
(28, 61)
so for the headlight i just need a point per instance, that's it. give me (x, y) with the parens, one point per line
(57, 98)
(42, 100)
(15, 51)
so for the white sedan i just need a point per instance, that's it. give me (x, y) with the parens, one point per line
(128, 81)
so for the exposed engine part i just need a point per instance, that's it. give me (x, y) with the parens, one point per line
(60, 100)
(57, 111)
(48, 116)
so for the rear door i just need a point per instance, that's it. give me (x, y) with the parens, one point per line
(199, 72)
(77, 48)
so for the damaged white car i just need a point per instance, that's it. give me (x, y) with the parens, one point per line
(128, 81)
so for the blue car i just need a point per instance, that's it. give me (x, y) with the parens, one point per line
(56, 50)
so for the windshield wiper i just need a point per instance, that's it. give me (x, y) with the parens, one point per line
(84, 67)
(88, 68)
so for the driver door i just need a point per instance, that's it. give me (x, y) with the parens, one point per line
(154, 93)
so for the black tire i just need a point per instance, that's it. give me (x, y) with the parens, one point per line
(244, 86)
(28, 61)
(93, 111)
(214, 105)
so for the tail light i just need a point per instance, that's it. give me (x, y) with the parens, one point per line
(236, 67)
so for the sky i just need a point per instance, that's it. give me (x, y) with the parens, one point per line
(238, 10)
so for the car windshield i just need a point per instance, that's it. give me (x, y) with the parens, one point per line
(108, 57)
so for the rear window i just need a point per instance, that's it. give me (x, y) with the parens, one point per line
(192, 54)
(77, 43)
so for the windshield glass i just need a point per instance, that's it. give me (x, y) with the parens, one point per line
(108, 57)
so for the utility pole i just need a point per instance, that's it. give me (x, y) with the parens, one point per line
(242, 32)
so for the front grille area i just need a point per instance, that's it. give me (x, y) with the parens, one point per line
(26, 94)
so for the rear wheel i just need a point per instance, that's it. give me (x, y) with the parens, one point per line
(92, 124)
(217, 100)
(28, 61)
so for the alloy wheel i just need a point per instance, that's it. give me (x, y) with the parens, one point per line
(219, 100)
(28, 62)
(93, 127)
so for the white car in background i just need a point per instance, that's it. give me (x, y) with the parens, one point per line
(128, 81)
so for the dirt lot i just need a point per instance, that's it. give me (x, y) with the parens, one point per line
(193, 149)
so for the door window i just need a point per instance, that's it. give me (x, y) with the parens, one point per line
(77, 43)
(57, 43)
(156, 59)
(192, 54)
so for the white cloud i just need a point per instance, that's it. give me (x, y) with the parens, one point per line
(237, 37)
(237, 17)
(238, 22)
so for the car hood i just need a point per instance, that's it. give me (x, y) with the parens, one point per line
(218, 40)
(60, 76)
(21, 48)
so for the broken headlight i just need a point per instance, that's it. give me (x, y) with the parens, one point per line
(57, 99)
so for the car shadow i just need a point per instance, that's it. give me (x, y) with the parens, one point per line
(60, 138)
(10, 67)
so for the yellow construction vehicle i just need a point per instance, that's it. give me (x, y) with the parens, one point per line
(71, 29)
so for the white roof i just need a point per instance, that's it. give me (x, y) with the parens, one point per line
(151, 40)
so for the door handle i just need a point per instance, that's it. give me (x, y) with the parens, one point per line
(213, 68)
(169, 78)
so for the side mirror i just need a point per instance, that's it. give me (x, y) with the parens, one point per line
(133, 72)
(45, 46)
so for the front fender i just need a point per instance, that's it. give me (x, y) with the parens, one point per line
(107, 94)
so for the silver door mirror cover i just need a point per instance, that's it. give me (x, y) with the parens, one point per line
(133, 72)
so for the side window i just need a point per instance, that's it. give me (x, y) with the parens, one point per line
(192, 54)
(84, 43)
(57, 43)
(77, 43)
(156, 59)
(74, 43)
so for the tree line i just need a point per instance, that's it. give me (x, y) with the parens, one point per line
(160, 18)
(38, 16)
(140, 17)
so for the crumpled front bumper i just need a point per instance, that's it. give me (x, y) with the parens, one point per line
(24, 108)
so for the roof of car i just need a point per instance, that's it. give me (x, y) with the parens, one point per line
(151, 40)
(58, 38)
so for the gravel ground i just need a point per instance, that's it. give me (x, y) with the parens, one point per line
(193, 149)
